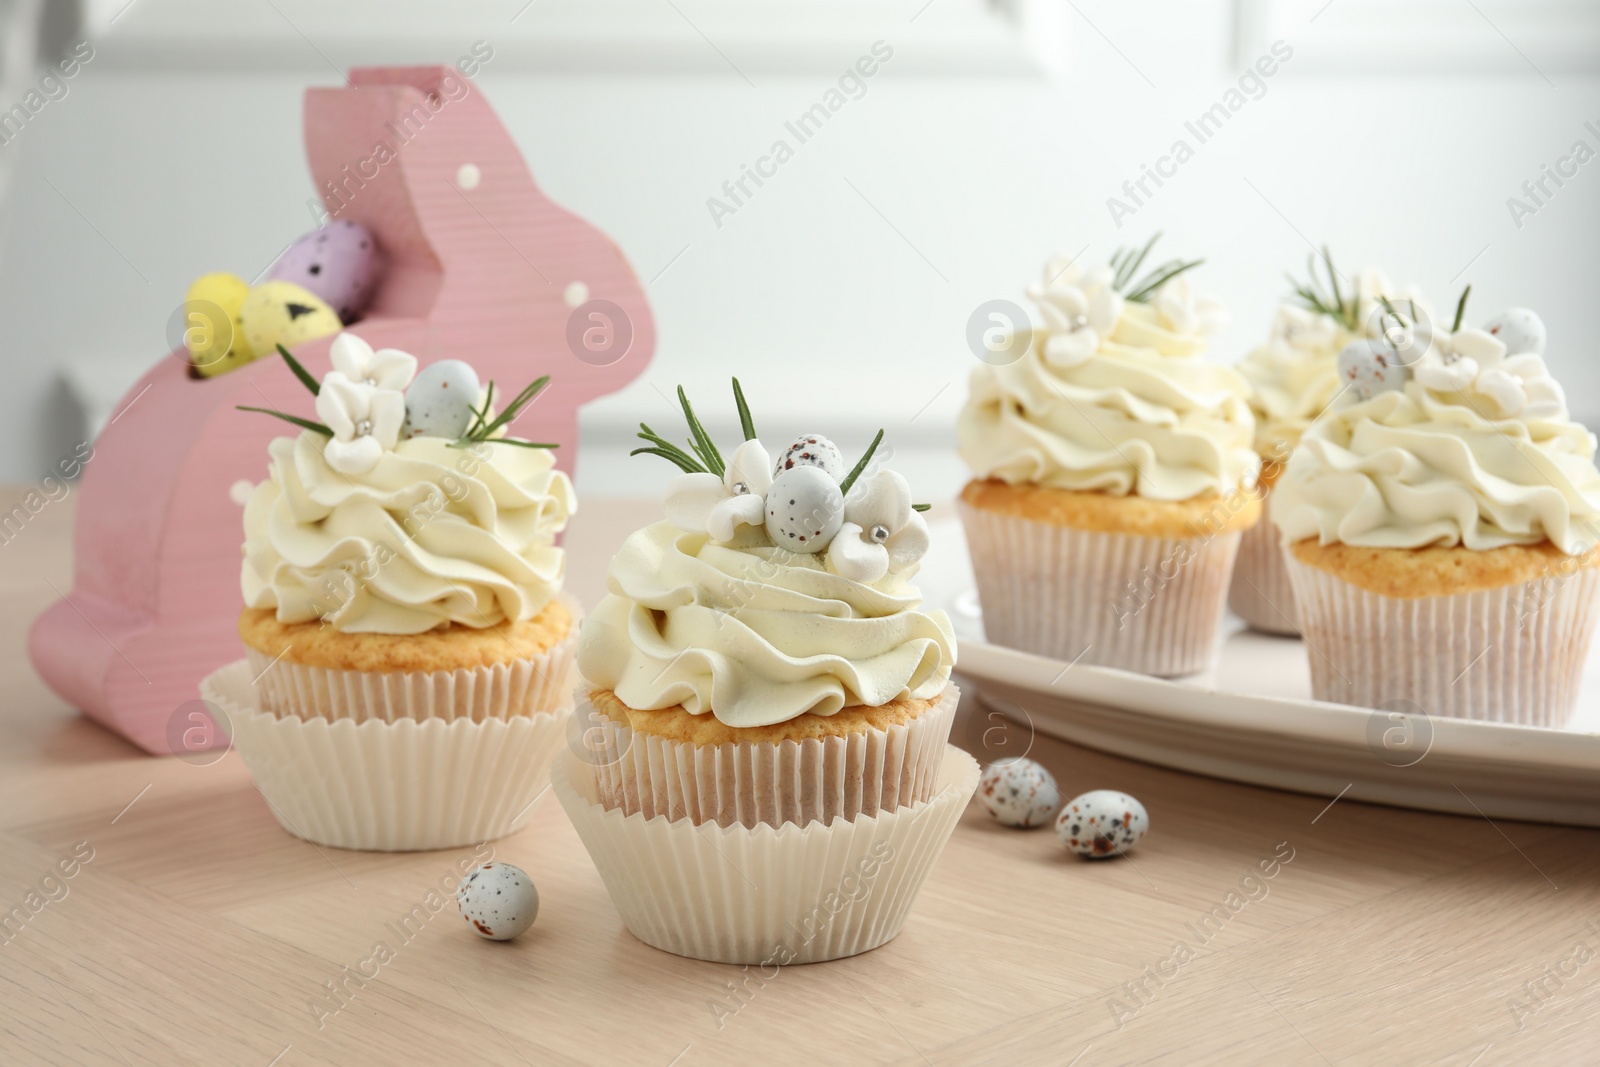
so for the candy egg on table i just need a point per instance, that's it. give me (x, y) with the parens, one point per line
(1519, 329)
(498, 900)
(1019, 792)
(1102, 823)
(812, 450)
(805, 509)
(282, 313)
(212, 327)
(339, 263)
(1371, 368)
(439, 401)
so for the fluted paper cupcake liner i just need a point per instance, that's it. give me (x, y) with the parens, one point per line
(766, 895)
(1513, 654)
(1262, 594)
(521, 687)
(789, 782)
(1148, 604)
(389, 786)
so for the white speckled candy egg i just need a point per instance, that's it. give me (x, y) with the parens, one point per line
(804, 509)
(1102, 823)
(1019, 792)
(1371, 368)
(812, 450)
(498, 900)
(440, 399)
(1519, 329)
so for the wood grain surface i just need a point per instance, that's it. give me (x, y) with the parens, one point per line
(198, 932)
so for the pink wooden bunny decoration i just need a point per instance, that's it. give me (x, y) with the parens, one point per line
(481, 267)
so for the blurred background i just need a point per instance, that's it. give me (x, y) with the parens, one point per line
(1400, 132)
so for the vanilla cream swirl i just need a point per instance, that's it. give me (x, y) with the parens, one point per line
(1408, 470)
(756, 635)
(431, 535)
(1294, 376)
(1144, 414)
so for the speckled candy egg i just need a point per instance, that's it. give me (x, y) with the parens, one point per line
(498, 900)
(440, 399)
(804, 509)
(1371, 368)
(338, 262)
(812, 450)
(1019, 792)
(282, 313)
(1519, 329)
(1102, 823)
(213, 329)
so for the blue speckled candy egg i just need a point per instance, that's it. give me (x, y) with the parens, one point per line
(1102, 823)
(339, 263)
(804, 509)
(1519, 329)
(498, 900)
(440, 399)
(1019, 792)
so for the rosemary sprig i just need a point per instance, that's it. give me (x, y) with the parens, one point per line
(1461, 309)
(1160, 276)
(1315, 298)
(481, 418)
(1125, 264)
(1130, 263)
(699, 440)
(513, 409)
(304, 424)
(855, 472)
(660, 446)
(300, 372)
(516, 441)
(745, 422)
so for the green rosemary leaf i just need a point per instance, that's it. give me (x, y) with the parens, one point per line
(921, 507)
(745, 422)
(480, 418)
(300, 372)
(304, 424)
(1461, 309)
(682, 461)
(1161, 276)
(521, 401)
(850, 479)
(678, 455)
(1131, 267)
(1333, 279)
(516, 441)
(701, 441)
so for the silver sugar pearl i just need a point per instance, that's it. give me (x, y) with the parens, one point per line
(363, 427)
(740, 489)
(879, 533)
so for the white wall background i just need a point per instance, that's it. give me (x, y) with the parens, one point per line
(840, 292)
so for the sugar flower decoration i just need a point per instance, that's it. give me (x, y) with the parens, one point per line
(1184, 312)
(719, 504)
(1079, 308)
(882, 532)
(365, 421)
(387, 368)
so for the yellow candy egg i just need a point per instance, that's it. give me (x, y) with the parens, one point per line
(212, 331)
(282, 313)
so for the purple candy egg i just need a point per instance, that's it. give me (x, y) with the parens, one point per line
(339, 263)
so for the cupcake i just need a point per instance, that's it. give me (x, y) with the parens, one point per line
(1293, 376)
(766, 691)
(409, 654)
(1114, 472)
(1440, 520)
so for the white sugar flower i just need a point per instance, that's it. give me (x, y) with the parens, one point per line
(1184, 312)
(365, 422)
(387, 368)
(882, 533)
(718, 506)
(1079, 308)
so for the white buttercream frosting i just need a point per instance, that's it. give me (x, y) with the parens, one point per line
(1418, 467)
(429, 535)
(1138, 410)
(756, 634)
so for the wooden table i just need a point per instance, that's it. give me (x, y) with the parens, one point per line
(201, 933)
